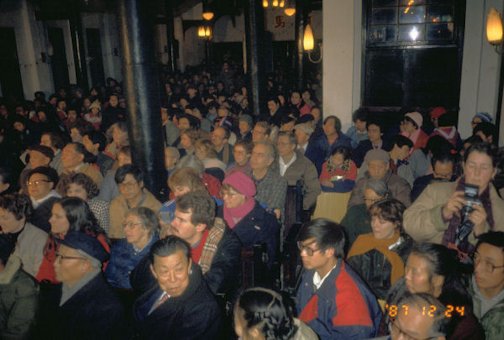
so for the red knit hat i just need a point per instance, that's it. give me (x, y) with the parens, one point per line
(241, 183)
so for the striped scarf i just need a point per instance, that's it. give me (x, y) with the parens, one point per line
(212, 243)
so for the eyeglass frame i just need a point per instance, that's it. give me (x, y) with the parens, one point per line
(60, 257)
(37, 182)
(486, 265)
(309, 251)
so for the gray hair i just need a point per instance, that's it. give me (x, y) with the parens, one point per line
(305, 127)
(191, 161)
(95, 263)
(270, 148)
(378, 186)
(290, 135)
(148, 218)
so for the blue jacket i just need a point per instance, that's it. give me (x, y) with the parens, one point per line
(342, 308)
(123, 259)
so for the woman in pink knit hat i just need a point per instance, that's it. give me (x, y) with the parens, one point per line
(251, 223)
(411, 127)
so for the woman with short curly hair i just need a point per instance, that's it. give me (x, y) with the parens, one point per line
(82, 186)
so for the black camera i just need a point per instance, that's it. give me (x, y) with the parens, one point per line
(471, 199)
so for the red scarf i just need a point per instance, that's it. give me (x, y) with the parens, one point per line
(235, 215)
(198, 250)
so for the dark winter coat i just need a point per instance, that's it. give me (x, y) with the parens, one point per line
(375, 269)
(193, 315)
(93, 313)
(258, 227)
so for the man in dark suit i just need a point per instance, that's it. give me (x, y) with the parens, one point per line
(83, 306)
(180, 306)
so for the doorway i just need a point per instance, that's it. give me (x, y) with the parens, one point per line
(10, 76)
(59, 64)
(94, 53)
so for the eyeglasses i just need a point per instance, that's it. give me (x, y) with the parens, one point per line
(487, 266)
(309, 251)
(128, 184)
(61, 257)
(131, 224)
(228, 194)
(37, 182)
(398, 332)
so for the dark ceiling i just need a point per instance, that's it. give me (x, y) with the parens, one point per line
(63, 9)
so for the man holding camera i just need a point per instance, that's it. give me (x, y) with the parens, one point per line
(455, 214)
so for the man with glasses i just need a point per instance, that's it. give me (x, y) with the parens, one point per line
(41, 183)
(332, 299)
(487, 283)
(83, 306)
(132, 194)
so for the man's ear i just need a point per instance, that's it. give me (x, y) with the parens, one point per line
(200, 227)
(153, 272)
(329, 252)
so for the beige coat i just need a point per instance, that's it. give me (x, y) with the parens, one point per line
(119, 208)
(423, 220)
(92, 171)
(303, 169)
(30, 248)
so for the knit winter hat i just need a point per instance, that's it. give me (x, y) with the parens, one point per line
(416, 117)
(241, 183)
(484, 116)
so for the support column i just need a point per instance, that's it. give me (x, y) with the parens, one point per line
(254, 30)
(142, 91)
(79, 50)
(299, 26)
(170, 37)
(339, 34)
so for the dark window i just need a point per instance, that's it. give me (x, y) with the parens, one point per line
(413, 52)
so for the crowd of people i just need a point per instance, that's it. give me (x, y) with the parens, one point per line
(88, 252)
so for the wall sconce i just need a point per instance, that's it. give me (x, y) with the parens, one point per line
(290, 8)
(494, 30)
(309, 44)
(308, 40)
(274, 3)
(205, 32)
(208, 14)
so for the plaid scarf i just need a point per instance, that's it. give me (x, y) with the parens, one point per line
(212, 243)
(450, 235)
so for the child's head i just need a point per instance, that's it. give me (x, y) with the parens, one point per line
(339, 155)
